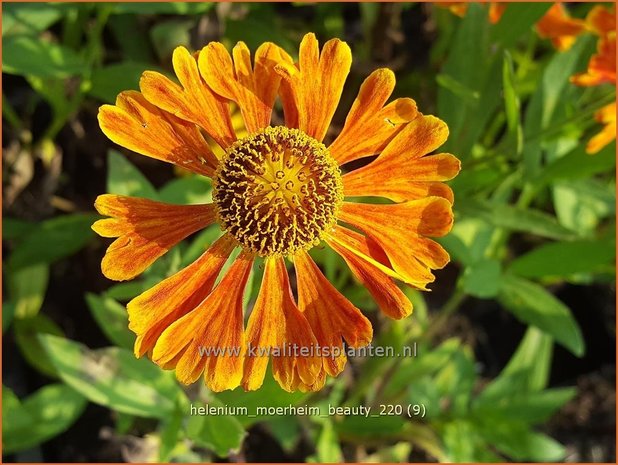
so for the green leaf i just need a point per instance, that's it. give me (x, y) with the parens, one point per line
(53, 240)
(27, 287)
(12, 228)
(187, 190)
(153, 8)
(48, 412)
(8, 312)
(114, 378)
(167, 35)
(26, 335)
(528, 407)
(515, 219)
(28, 18)
(221, 433)
(126, 291)
(123, 178)
(327, 445)
(563, 259)
(170, 435)
(511, 103)
(532, 304)
(354, 427)
(482, 279)
(107, 82)
(112, 318)
(517, 20)
(31, 56)
(521, 444)
(578, 164)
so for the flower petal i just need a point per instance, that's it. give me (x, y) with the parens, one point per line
(210, 338)
(602, 65)
(559, 27)
(193, 102)
(399, 180)
(140, 126)
(391, 300)
(331, 316)
(156, 309)
(398, 228)
(606, 116)
(276, 323)
(145, 229)
(370, 125)
(601, 20)
(254, 90)
(315, 84)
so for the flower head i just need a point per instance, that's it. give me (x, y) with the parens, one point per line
(277, 192)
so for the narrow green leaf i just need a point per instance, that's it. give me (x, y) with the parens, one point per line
(8, 312)
(26, 334)
(52, 240)
(517, 20)
(28, 18)
(114, 378)
(125, 179)
(48, 412)
(187, 190)
(327, 445)
(577, 164)
(30, 56)
(532, 304)
(112, 318)
(12, 228)
(482, 279)
(563, 259)
(27, 287)
(515, 219)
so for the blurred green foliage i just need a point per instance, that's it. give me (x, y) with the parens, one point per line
(519, 128)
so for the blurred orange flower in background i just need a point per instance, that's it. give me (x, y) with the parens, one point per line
(558, 26)
(277, 193)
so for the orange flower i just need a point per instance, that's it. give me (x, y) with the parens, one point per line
(606, 116)
(601, 21)
(496, 10)
(602, 65)
(559, 27)
(277, 193)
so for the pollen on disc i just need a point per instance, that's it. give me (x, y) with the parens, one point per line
(277, 191)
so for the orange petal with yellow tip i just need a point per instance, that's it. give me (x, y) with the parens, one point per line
(156, 309)
(315, 84)
(602, 65)
(392, 176)
(140, 126)
(277, 323)
(559, 27)
(606, 116)
(398, 228)
(601, 20)
(145, 229)
(331, 316)
(254, 89)
(370, 125)
(391, 300)
(210, 338)
(192, 100)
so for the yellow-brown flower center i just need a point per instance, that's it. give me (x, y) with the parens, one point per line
(277, 191)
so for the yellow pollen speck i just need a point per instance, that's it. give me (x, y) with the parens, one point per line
(277, 191)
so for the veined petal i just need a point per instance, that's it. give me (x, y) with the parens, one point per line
(276, 324)
(370, 125)
(192, 101)
(145, 229)
(140, 126)
(315, 84)
(391, 300)
(210, 339)
(253, 89)
(156, 309)
(391, 176)
(331, 316)
(398, 229)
